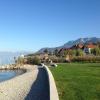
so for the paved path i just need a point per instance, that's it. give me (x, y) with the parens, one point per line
(39, 89)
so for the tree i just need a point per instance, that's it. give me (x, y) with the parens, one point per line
(96, 51)
(62, 53)
(71, 52)
(98, 44)
(33, 60)
(79, 52)
(74, 52)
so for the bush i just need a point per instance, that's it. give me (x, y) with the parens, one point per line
(33, 60)
(90, 59)
(79, 52)
(58, 60)
(96, 51)
(20, 60)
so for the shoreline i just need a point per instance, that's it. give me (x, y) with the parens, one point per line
(18, 87)
(10, 67)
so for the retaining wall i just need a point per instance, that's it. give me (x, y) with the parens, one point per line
(52, 86)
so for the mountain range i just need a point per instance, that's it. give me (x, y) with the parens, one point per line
(72, 43)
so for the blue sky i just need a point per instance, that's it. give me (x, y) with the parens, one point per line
(32, 24)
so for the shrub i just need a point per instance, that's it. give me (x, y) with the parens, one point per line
(33, 60)
(79, 52)
(96, 51)
(58, 60)
(86, 59)
(20, 60)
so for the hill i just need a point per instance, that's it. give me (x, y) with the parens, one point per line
(72, 43)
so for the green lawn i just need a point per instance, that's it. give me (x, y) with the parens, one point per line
(78, 81)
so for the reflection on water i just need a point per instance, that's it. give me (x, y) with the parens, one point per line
(8, 74)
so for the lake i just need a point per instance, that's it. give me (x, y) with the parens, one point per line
(8, 74)
(8, 58)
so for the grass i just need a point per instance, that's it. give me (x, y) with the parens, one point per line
(78, 81)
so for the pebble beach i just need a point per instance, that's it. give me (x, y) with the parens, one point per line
(18, 87)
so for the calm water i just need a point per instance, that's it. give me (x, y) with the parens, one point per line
(8, 58)
(8, 74)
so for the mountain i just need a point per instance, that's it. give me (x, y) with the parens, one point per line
(81, 40)
(72, 43)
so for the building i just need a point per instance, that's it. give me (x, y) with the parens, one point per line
(77, 46)
(88, 47)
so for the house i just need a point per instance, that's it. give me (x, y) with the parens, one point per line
(88, 47)
(85, 47)
(77, 46)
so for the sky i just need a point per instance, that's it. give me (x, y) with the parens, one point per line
(28, 25)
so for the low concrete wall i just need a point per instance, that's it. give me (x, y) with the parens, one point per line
(52, 86)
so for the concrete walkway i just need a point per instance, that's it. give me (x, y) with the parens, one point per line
(40, 88)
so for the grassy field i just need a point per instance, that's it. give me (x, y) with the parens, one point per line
(78, 81)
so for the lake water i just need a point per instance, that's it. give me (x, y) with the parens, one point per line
(8, 58)
(8, 74)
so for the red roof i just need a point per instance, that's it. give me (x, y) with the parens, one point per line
(90, 46)
(78, 46)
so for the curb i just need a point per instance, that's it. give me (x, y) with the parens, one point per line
(52, 86)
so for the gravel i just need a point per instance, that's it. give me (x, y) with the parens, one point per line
(19, 87)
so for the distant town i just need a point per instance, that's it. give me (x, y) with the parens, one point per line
(80, 51)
